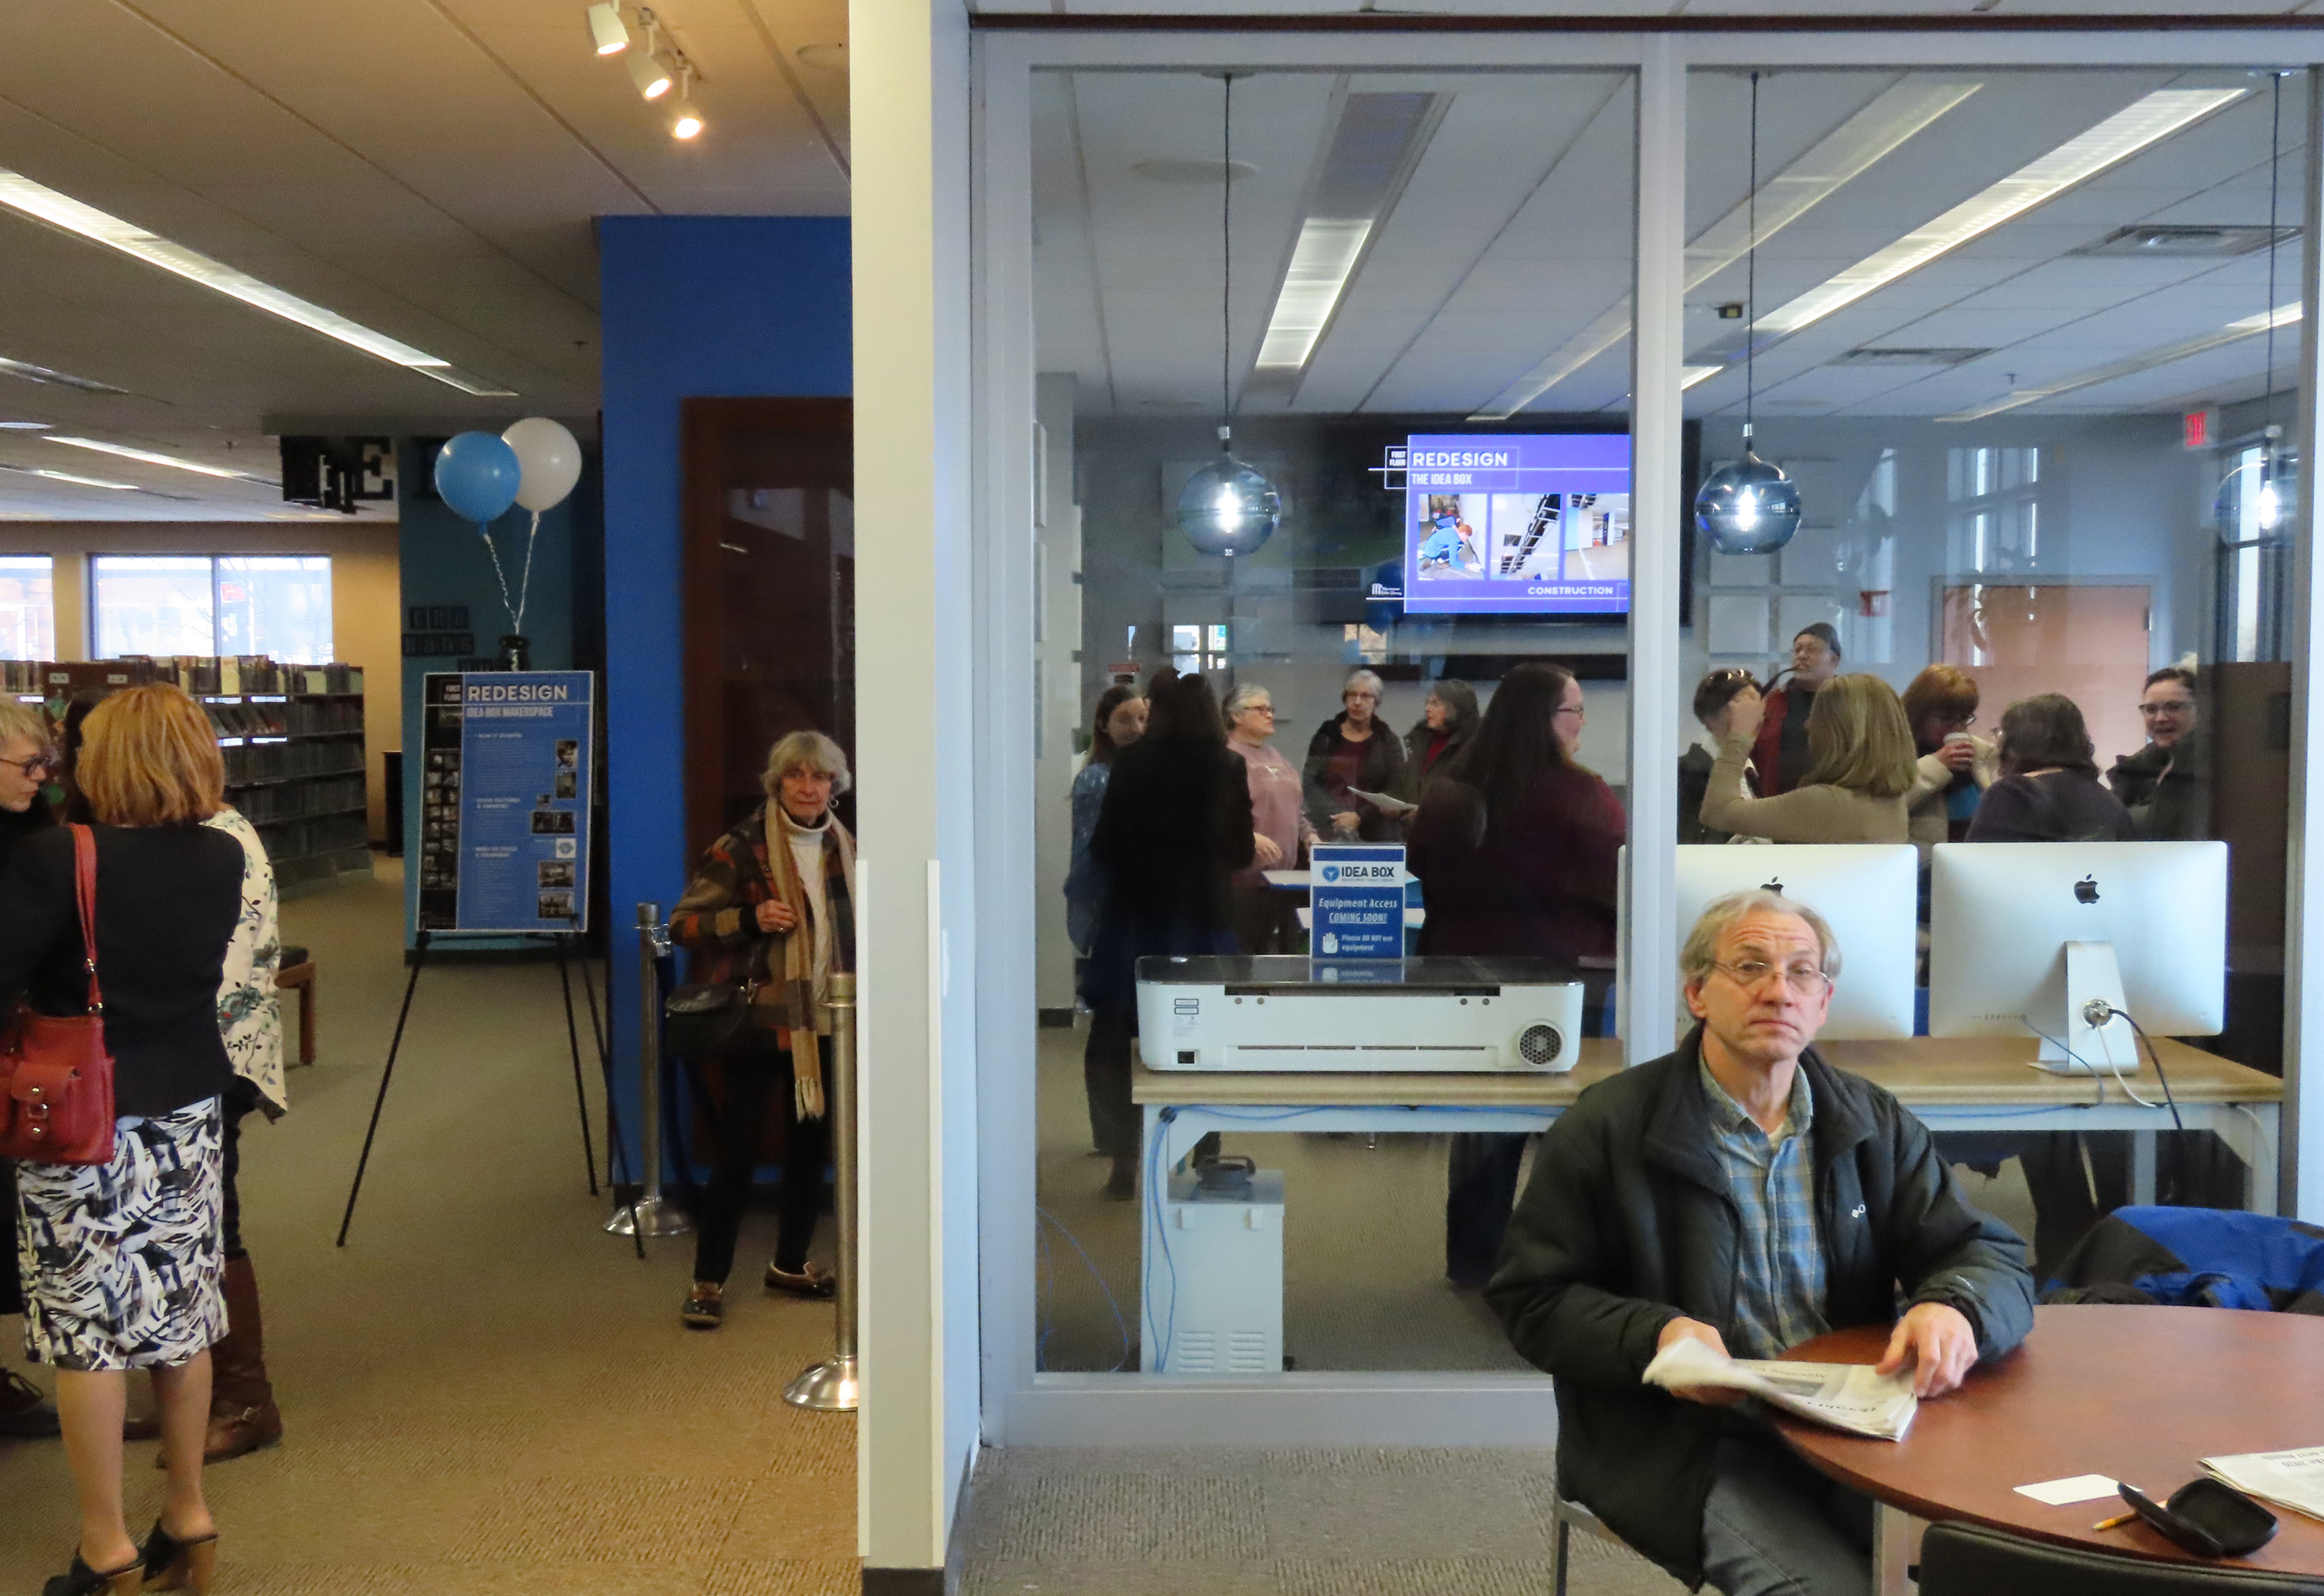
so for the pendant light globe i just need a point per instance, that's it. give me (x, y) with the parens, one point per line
(1750, 507)
(1229, 508)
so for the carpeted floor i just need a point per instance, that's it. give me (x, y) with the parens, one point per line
(484, 1392)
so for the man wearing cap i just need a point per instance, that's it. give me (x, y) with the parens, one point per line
(1780, 755)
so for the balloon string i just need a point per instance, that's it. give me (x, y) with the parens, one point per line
(499, 574)
(524, 586)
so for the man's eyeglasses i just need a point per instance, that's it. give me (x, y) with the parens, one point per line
(1805, 980)
(2168, 707)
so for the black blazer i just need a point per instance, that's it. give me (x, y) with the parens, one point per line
(168, 897)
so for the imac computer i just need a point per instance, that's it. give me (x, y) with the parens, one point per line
(1867, 893)
(2063, 939)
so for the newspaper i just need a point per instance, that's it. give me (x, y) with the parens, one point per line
(1845, 1396)
(2293, 1479)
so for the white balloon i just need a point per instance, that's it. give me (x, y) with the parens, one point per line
(551, 458)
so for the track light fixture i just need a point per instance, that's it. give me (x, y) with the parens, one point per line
(663, 73)
(652, 77)
(606, 30)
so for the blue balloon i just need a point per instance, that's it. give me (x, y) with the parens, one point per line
(477, 474)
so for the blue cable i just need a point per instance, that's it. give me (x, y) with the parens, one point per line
(1162, 1233)
(1121, 1325)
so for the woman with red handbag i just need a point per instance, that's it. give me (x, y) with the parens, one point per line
(120, 1213)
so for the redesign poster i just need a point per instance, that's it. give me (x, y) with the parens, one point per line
(505, 801)
(1514, 524)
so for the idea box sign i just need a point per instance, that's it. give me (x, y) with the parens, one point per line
(1357, 891)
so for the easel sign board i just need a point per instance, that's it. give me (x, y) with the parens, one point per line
(1357, 892)
(504, 801)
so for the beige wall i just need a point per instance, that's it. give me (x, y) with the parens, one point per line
(367, 605)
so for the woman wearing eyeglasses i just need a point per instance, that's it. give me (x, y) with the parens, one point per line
(1266, 921)
(1955, 765)
(2166, 785)
(1349, 753)
(1517, 849)
(24, 758)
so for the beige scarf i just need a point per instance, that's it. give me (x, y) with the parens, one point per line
(798, 986)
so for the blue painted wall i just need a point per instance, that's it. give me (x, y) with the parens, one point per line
(691, 306)
(444, 563)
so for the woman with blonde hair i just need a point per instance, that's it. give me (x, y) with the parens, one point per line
(122, 1260)
(772, 903)
(1861, 767)
(26, 758)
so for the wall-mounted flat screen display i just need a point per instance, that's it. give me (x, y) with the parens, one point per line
(1514, 524)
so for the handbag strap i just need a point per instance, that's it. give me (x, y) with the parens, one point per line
(85, 896)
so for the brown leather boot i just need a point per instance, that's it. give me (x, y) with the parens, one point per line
(243, 1415)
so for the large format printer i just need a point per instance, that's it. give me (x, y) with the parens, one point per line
(1284, 1013)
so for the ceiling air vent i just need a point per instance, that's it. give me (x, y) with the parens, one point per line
(2183, 241)
(1913, 357)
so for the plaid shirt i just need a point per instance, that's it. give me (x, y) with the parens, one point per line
(1779, 1284)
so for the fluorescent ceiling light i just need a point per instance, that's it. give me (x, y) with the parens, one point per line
(606, 31)
(24, 426)
(1321, 264)
(54, 379)
(86, 482)
(21, 194)
(1689, 376)
(2144, 122)
(1373, 147)
(2235, 332)
(150, 458)
(1893, 117)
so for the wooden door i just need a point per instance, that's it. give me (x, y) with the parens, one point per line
(2087, 643)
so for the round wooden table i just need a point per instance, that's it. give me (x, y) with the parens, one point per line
(2137, 1394)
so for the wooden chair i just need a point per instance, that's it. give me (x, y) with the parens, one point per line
(297, 973)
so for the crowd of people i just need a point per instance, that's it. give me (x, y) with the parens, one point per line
(1843, 758)
(134, 1260)
(1183, 805)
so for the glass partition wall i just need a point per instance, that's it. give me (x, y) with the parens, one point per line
(2025, 335)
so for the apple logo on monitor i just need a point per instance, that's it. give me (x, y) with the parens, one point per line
(1774, 887)
(2086, 890)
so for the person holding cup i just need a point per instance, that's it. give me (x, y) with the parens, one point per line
(1954, 766)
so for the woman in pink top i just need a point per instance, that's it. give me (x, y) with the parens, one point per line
(1266, 921)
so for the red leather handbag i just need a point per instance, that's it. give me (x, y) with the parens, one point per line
(56, 1078)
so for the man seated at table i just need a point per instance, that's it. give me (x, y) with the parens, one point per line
(1745, 1194)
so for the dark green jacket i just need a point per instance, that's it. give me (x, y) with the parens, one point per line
(1627, 1224)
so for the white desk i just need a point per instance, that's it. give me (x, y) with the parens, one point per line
(1983, 1083)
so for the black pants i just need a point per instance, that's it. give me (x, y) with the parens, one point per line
(1266, 921)
(236, 1110)
(1115, 1122)
(2064, 1208)
(756, 1076)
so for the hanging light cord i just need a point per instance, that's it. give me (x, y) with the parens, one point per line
(1226, 260)
(2274, 166)
(1751, 277)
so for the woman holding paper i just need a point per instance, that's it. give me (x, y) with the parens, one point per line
(1517, 849)
(1351, 755)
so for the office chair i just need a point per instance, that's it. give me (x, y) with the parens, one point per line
(1566, 1517)
(1970, 1560)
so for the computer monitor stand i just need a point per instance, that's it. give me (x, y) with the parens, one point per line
(2070, 1044)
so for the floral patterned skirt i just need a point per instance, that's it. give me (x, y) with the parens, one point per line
(121, 1261)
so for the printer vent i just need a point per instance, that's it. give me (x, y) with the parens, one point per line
(1539, 1045)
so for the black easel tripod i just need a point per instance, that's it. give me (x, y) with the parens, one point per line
(562, 941)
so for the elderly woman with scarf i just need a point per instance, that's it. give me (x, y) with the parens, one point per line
(772, 903)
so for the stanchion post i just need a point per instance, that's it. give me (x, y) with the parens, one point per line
(833, 1385)
(652, 1214)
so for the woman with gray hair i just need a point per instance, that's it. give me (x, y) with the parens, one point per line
(772, 903)
(1266, 921)
(1354, 752)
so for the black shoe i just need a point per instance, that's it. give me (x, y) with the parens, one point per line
(704, 1309)
(1122, 1184)
(813, 1282)
(174, 1564)
(81, 1580)
(24, 1414)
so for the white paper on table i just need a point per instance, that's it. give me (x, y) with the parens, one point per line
(2082, 1488)
(2293, 1479)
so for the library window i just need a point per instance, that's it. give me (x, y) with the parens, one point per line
(28, 614)
(165, 604)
